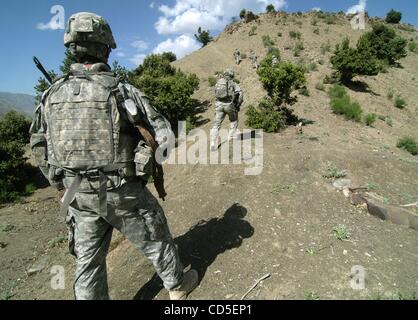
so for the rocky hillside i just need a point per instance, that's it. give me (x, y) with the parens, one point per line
(291, 225)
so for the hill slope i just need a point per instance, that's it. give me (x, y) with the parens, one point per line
(234, 228)
(20, 102)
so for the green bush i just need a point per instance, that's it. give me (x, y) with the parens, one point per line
(341, 103)
(369, 119)
(253, 31)
(270, 9)
(394, 16)
(14, 173)
(295, 35)
(274, 51)
(412, 46)
(250, 16)
(267, 42)
(280, 80)
(203, 36)
(298, 48)
(242, 13)
(408, 144)
(169, 90)
(266, 117)
(384, 44)
(400, 102)
(350, 62)
(212, 81)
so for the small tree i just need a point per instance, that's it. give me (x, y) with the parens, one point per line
(250, 16)
(350, 62)
(280, 80)
(242, 14)
(394, 16)
(385, 44)
(203, 36)
(270, 9)
(169, 90)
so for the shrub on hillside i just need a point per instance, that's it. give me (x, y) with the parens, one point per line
(412, 46)
(270, 9)
(252, 31)
(242, 13)
(203, 36)
(384, 44)
(280, 80)
(408, 144)
(341, 103)
(370, 119)
(400, 102)
(267, 42)
(394, 16)
(250, 16)
(350, 62)
(169, 90)
(295, 35)
(212, 81)
(14, 175)
(266, 117)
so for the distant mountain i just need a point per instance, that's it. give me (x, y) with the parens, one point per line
(23, 103)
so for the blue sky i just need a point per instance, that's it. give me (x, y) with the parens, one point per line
(140, 28)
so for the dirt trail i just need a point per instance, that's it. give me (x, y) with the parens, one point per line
(234, 228)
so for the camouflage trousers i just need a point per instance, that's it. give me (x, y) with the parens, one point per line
(136, 213)
(223, 110)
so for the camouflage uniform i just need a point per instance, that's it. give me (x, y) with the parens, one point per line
(254, 60)
(227, 108)
(126, 205)
(237, 56)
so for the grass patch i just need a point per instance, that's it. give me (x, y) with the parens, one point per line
(267, 42)
(341, 233)
(295, 35)
(298, 48)
(369, 119)
(253, 31)
(311, 295)
(400, 103)
(7, 228)
(408, 144)
(341, 103)
(334, 173)
(325, 47)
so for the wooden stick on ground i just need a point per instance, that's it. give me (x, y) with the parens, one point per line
(255, 285)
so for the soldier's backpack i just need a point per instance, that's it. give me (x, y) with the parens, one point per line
(224, 90)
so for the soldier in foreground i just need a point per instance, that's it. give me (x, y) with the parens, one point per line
(229, 99)
(85, 139)
(237, 56)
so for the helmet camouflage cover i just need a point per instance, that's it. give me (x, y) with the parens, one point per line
(88, 27)
(229, 73)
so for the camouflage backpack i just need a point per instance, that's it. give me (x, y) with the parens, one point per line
(224, 90)
(81, 115)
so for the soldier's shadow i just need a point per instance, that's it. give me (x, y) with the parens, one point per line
(200, 246)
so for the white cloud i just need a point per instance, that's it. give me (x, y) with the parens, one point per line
(187, 15)
(152, 5)
(120, 53)
(316, 9)
(138, 58)
(360, 7)
(181, 46)
(140, 45)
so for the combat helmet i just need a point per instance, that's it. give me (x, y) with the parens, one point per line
(229, 74)
(89, 34)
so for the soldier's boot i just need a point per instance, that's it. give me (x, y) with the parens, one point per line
(233, 130)
(190, 282)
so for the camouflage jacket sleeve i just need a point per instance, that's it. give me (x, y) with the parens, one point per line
(240, 94)
(156, 122)
(38, 142)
